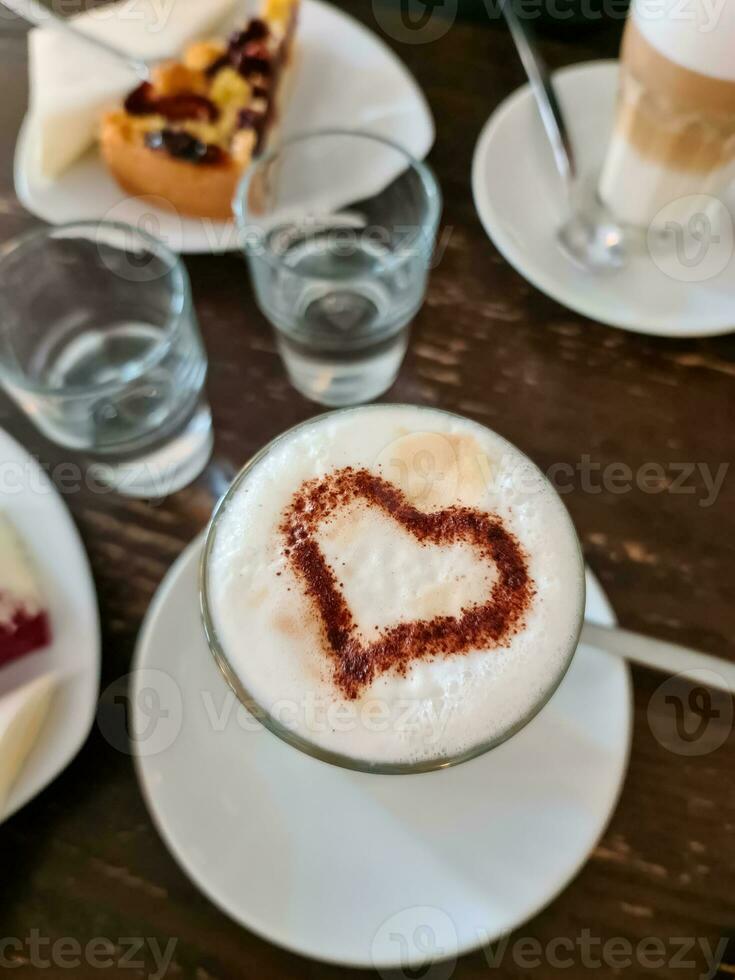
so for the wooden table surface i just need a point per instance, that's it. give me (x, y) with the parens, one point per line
(83, 859)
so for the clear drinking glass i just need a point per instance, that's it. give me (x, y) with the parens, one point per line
(99, 345)
(338, 228)
(288, 735)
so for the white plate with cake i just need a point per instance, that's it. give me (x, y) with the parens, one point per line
(49, 632)
(240, 78)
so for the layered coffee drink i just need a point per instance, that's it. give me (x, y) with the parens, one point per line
(392, 587)
(674, 135)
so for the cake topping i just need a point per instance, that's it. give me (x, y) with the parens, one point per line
(201, 55)
(250, 119)
(248, 52)
(199, 109)
(177, 108)
(141, 101)
(223, 61)
(183, 146)
(255, 62)
(257, 30)
(356, 662)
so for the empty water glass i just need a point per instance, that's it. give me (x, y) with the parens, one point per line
(338, 228)
(99, 345)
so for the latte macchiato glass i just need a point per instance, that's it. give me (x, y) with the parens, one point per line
(392, 588)
(673, 144)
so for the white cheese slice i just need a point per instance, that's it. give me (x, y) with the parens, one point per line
(72, 84)
(18, 586)
(22, 714)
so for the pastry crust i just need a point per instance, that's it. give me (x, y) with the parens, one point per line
(199, 188)
(202, 191)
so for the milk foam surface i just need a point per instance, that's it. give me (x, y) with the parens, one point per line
(446, 706)
(698, 35)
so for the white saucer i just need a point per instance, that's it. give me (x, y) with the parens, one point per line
(347, 867)
(345, 76)
(35, 508)
(519, 198)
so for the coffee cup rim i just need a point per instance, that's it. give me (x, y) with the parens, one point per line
(297, 741)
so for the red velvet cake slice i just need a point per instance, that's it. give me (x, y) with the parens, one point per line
(24, 621)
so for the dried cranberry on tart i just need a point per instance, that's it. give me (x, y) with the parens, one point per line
(188, 134)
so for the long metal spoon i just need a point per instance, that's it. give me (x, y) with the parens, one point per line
(590, 237)
(594, 240)
(37, 13)
(661, 655)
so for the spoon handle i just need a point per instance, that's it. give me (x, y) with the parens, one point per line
(544, 94)
(41, 15)
(661, 655)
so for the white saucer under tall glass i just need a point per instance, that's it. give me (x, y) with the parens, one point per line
(100, 347)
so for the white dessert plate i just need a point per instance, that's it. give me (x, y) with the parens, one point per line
(35, 508)
(344, 77)
(519, 198)
(363, 869)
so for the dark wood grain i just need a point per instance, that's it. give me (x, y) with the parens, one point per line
(83, 860)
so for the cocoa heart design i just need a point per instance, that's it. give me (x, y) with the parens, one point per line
(356, 663)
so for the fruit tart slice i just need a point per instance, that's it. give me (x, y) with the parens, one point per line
(188, 134)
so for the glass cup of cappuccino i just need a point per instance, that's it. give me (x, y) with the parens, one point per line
(391, 588)
(672, 151)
